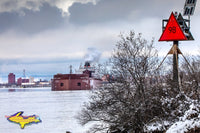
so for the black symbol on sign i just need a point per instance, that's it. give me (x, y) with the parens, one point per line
(172, 29)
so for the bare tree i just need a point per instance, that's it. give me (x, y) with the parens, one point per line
(134, 99)
(190, 77)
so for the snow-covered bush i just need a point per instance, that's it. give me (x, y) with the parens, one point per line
(184, 117)
(189, 122)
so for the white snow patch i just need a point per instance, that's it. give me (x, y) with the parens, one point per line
(156, 126)
(188, 121)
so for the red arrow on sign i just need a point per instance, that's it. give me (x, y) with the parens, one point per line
(173, 31)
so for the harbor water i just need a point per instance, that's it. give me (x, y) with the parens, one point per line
(56, 109)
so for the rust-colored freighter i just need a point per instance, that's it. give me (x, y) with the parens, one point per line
(84, 79)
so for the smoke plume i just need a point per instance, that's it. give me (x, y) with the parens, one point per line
(92, 55)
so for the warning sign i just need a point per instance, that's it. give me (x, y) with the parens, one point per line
(173, 31)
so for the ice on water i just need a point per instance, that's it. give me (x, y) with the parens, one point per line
(57, 110)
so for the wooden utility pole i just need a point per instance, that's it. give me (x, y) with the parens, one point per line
(175, 64)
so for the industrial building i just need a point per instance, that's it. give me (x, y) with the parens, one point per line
(22, 80)
(11, 79)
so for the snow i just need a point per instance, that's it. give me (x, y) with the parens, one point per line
(156, 126)
(188, 121)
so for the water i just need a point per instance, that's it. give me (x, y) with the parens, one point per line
(56, 109)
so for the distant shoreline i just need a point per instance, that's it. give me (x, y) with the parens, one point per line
(25, 89)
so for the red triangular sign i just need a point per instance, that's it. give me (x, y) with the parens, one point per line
(173, 31)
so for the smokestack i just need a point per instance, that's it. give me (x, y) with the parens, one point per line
(87, 64)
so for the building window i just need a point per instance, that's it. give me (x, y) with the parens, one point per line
(79, 84)
(61, 84)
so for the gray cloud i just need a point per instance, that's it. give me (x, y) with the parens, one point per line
(35, 5)
(33, 16)
(32, 22)
(113, 10)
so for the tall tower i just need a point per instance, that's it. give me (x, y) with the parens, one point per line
(24, 73)
(11, 78)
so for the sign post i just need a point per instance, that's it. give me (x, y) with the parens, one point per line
(175, 30)
(175, 64)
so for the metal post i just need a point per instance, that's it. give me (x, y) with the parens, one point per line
(175, 65)
(70, 69)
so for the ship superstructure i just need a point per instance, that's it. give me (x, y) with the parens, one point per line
(85, 78)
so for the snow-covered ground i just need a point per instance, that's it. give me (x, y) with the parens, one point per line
(57, 110)
(190, 120)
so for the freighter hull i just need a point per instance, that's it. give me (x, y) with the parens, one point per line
(62, 82)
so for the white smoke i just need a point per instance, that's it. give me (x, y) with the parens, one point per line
(92, 55)
(35, 5)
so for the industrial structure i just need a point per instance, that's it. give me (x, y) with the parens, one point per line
(24, 82)
(84, 79)
(20, 81)
(11, 79)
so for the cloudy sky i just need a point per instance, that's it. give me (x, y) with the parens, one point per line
(47, 36)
